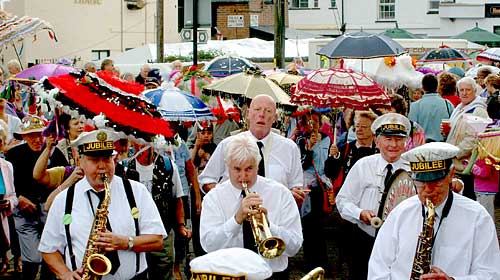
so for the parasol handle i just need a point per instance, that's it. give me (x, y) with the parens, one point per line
(335, 135)
(472, 161)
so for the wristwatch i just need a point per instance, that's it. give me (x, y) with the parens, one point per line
(130, 243)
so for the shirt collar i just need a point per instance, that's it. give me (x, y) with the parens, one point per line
(264, 140)
(400, 163)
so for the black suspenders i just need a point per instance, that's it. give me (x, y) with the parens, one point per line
(67, 219)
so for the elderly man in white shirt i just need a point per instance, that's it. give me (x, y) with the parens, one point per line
(226, 208)
(281, 156)
(436, 234)
(361, 194)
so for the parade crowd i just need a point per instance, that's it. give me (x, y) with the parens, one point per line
(146, 208)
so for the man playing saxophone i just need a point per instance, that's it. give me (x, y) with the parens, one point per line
(133, 224)
(437, 234)
(227, 210)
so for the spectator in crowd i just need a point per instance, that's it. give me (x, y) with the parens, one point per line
(13, 124)
(90, 67)
(416, 94)
(14, 67)
(458, 133)
(143, 74)
(482, 73)
(431, 109)
(447, 87)
(127, 76)
(72, 127)
(417, 132)
(492, 83)
(107, 65)
(204, 146)
(485, 185)
(415, 231)
(8, 202)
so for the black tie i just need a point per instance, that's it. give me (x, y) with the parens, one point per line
(112, 256)
(262, 166)
(388, 174)
(248, 238)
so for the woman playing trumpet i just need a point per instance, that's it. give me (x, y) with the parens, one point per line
(225, 209)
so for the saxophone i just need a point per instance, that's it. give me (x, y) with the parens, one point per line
(95, 264)
(423, 254)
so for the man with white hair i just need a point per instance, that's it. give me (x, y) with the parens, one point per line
(280, 156)
(141, 78)
(227, 207)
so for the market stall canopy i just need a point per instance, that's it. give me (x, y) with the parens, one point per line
(480, 36)
(399, 33)
(361, 45)
(14, 27)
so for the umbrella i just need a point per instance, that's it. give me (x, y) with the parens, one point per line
(248, 84)
(337, 87)
(285, 78)
(491, 54)
(361, 45)
(35, 73)
(398, 33)
(443, 54)
(472, 72)
(14, 27)
(480, 36)
(86, 94)
(177, 105)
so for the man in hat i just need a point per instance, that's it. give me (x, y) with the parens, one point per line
(464, 243)
(361, 195)
(29, 215)
(227, 208)
(151, 83)
(134, 224)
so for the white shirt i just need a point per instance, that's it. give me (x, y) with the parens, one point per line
(466, 246)
(146, 177)
(281, 158)
(54, 239)
(219, 229)
(363, 188)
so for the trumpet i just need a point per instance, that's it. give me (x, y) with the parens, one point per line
(376, 222)
(269, 246)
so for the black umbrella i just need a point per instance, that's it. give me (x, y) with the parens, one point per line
(361, 45)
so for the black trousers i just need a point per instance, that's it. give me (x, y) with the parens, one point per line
(314, 245)
(362, 246)
(468, 185)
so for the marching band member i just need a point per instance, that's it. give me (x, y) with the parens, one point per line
(134, 224)
(458, 238)
(226, 207)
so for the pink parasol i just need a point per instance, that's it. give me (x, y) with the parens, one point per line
(337, 87)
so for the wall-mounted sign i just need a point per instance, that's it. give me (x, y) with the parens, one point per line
(492, 10)
(236, 21)
(254, 20)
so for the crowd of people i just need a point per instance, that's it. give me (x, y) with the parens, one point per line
(224, 185)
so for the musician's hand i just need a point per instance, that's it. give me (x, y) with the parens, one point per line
(366, 216)
(299, 195)
(26, 206)
(248, 207)
(72, 275)
(111, 241)
(436, 274)
(259, 215)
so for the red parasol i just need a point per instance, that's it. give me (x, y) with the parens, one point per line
(91, 96)
(128, 87)
(336, 87)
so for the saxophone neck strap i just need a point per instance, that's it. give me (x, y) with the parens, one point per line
(446, 211)
(67, 222)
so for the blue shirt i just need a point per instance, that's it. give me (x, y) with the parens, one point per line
(2, 184)
(428, 112)
(182, 155)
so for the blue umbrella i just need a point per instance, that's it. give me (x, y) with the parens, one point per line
(177, 105)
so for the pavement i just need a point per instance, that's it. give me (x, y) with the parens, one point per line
(297, 264)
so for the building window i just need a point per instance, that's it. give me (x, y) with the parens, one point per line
(387, 9)
(100, 54)
(316, 3)
(433, 5)
(496, 29)
(300, 3)
(333, 3)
